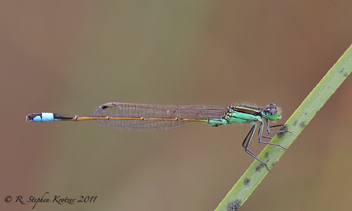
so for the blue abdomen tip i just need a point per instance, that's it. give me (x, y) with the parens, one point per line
(46, 117)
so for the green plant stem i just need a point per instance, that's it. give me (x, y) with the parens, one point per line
(295, 124)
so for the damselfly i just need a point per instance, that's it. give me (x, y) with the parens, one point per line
(147, 117)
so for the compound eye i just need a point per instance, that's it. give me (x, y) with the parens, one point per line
(271, 108)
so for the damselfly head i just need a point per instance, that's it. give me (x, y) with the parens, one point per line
(272, 112)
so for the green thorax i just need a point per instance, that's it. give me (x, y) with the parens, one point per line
(246, 114)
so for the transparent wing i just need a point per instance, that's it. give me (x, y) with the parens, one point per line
(190, 112)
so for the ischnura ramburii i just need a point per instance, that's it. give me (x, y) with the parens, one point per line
(148, 117)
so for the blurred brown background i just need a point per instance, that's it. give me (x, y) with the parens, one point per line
(72, 56)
